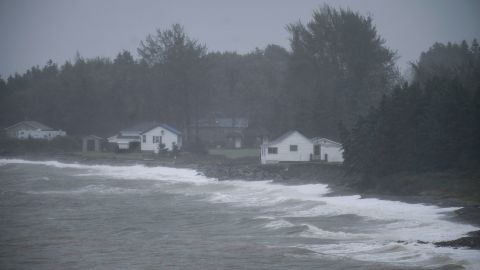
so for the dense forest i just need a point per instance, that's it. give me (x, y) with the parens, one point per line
(338, 67)
(338, 79)
(431, 124)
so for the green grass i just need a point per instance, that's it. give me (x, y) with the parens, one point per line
(129, 156)
(236, 153)
(228, 153)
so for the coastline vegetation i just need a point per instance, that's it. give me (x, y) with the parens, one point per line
(418, 135)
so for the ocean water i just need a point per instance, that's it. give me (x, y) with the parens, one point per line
(70, 216)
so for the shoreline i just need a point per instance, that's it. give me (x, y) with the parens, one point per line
(288, 174)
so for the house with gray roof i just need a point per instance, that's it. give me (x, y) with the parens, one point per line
(33, 130)
(143, 136)
(221, 131)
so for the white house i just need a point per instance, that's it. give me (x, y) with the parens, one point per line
(33, 130)
(130, 137)
(161, 134)
(147, 136)
(122, 141)
(291, 146)
(327, 150)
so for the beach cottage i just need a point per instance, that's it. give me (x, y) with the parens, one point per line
(295, 147)
(291, 146)
(327, 150)
(164, 134)
(92, 143)
(33, 130)
(147, 136)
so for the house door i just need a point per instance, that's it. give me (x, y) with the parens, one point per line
(238, 142)
(90, 145)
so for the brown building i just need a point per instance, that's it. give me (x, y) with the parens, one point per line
(221, 132)
(92, 143)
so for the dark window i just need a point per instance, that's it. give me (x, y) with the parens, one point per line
(293, 148)
(144, 138)
(272, 150)
(316, 150)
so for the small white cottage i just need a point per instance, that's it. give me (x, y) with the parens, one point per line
(327, 150)
(147, 136)
(161, 134)
(291, 146)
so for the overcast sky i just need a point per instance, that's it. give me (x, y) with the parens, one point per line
(32, 32)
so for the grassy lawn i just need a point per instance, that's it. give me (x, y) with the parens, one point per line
(236, 153)
(129, 156)
(228, 153)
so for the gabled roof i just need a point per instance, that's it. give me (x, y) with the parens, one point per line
(33, 124)
(93, 137)
(170, 128)
(319, 140)
(140, 127)
(284, 136)
(165, 126)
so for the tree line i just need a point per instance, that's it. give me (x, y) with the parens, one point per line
(338, 79)
(430, 124)
(337, 67)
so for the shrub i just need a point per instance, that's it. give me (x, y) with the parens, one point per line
(197, 147)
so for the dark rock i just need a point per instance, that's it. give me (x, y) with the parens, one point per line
(470, 241)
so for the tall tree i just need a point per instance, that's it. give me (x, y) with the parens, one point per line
(429, 125)
(179, 62)
(450, 61)
(339, 67)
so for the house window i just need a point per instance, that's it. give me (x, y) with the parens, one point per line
(144, 138)
(157, 139)
(316, 150)
(272, 150)
(293, 148)
(162, 132)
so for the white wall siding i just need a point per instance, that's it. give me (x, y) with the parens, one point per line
(333, 150)
(39, 134)
(123, 143)
(334, 153)
(303, 153)
(167, 138)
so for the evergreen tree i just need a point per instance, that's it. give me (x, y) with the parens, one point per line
(339, 67)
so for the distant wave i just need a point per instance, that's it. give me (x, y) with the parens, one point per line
(93, 189)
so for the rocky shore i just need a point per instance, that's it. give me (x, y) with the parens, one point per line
(298, 173)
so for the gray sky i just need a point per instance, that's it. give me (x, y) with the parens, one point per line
(31, 32)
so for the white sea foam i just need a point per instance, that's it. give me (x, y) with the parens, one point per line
(278, 224)
(400, 254)
(315, 232)
(91, 189)
(394, 220)
(133, 172)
